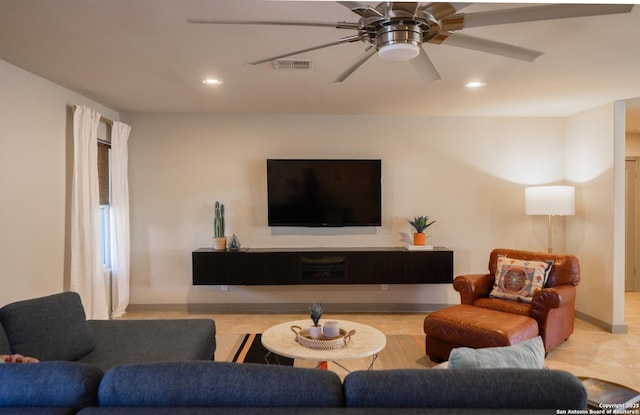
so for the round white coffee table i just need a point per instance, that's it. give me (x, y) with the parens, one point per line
(366, 342)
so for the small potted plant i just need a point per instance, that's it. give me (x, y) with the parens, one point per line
(315, 311)
(219, 240)
(420, 223)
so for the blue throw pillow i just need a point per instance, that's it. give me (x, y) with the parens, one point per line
(526, 355)
(48, 328)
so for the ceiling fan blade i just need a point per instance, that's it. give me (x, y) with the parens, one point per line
(460, 6)
(425, 67)
(364, 56)
(489, 46)
(452, 23)
(360, 9)
(326, 45)
(408, 8)
(543, 12)
(266, 22)
(440, 10)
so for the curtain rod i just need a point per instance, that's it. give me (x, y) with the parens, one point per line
(102, 118)
(106, 120)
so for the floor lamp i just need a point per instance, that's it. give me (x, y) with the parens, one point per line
(550, 201)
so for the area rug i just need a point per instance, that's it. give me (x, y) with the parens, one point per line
(401, 352)
(251, 350)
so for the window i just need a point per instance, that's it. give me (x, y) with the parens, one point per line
(104, 171)
(104, 186)
(105, 241)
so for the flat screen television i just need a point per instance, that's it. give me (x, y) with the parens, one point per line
(324, 193)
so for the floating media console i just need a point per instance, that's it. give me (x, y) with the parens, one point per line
(322, 266)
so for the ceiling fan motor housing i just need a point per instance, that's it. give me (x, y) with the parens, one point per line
(399, 35)
(399, 41)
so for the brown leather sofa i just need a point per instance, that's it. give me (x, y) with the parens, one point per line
(553, 307)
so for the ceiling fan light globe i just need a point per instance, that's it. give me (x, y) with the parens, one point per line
(399, 52)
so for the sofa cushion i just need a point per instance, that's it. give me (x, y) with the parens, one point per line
(466, 388)
(120, 342)
(506, 306)
(220, 384)
(48, 328)
(526, 355)
(518, 279)
(49, 384)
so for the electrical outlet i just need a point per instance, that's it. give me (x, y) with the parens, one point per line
(384, 287)
(224, 288)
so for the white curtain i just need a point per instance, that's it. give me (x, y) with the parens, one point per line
(119, 211)
(87, 276)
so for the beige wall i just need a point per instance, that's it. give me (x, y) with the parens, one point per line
(595, 164)
(35, 145)
(466, 173)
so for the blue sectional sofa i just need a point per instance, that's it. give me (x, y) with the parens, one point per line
(122, 367)
(55, 328)
(195, 388)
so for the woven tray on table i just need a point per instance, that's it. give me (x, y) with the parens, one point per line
(304, 338)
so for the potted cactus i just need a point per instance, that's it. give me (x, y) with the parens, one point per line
(219, 240)
(315, 311)
(420, 223)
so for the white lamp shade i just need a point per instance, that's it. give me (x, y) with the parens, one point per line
(550, 200)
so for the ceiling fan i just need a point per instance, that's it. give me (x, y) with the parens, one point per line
(397, 30)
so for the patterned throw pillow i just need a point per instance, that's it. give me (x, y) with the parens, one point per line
(518, 279)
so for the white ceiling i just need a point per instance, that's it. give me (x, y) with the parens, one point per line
(143, 56)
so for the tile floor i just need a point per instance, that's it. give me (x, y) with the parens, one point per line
(590, 351)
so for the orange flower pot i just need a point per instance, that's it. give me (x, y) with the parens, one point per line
(419, 238)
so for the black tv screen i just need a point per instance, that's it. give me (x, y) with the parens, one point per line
(324, 192)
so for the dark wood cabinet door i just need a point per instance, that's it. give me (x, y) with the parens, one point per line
(269, 268)
(431, 267)
(375, 267)
(213, 268)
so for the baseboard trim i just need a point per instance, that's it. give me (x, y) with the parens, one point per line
(295, 308)
(288, 308)
(612, 328)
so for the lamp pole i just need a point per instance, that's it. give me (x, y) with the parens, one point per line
(550, 231)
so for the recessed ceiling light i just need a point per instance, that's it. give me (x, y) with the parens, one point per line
(475, 84)
(211, 81)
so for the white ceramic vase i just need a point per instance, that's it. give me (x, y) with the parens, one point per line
(315, 332)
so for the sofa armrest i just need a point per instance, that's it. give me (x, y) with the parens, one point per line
(49, 384)
(473, 286)
(549, 298)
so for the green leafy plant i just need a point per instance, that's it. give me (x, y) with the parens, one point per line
(420, 223)
(315, 311)
(218, 220)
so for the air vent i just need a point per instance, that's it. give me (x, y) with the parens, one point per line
(281, 64)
